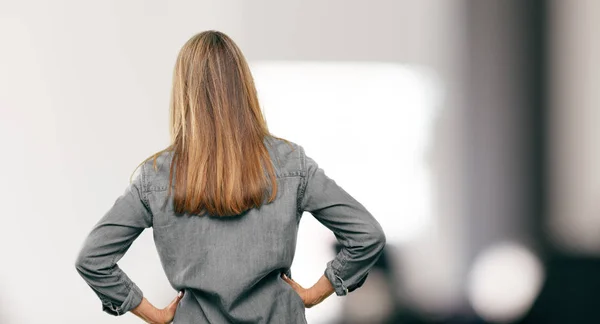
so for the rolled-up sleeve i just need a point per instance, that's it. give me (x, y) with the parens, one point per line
(106, 244)
(359, 233)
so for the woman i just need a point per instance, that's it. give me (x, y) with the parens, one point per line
(224, 201)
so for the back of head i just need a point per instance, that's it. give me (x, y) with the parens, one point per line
(220, 164)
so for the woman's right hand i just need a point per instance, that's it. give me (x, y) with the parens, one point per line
(303, 292)
(315, 294)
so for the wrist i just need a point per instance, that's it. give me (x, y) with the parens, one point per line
(320, 291)
(156, 317)
(309, 297)
(147, 312)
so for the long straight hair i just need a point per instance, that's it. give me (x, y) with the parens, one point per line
(220, 164)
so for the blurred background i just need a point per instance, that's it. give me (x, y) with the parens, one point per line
(468, 128)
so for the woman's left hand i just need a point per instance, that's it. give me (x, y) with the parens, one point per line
(168, 313)
(150, 314)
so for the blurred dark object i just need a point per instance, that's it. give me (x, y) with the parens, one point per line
(570, 294)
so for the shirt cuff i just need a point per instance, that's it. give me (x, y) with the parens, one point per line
(133, 299)
(337, 282)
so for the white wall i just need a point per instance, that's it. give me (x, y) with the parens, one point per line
(84, 90)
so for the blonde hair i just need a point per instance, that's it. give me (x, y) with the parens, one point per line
(220, 164)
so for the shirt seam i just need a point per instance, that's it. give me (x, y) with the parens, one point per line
(145, 200)
(275, 152)
(303, 181)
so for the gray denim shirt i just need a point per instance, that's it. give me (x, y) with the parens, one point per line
(229, 267)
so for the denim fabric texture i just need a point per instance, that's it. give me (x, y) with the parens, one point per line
(229, 267)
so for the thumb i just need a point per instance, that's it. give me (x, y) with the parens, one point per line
(176, 300)
(290, 281)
